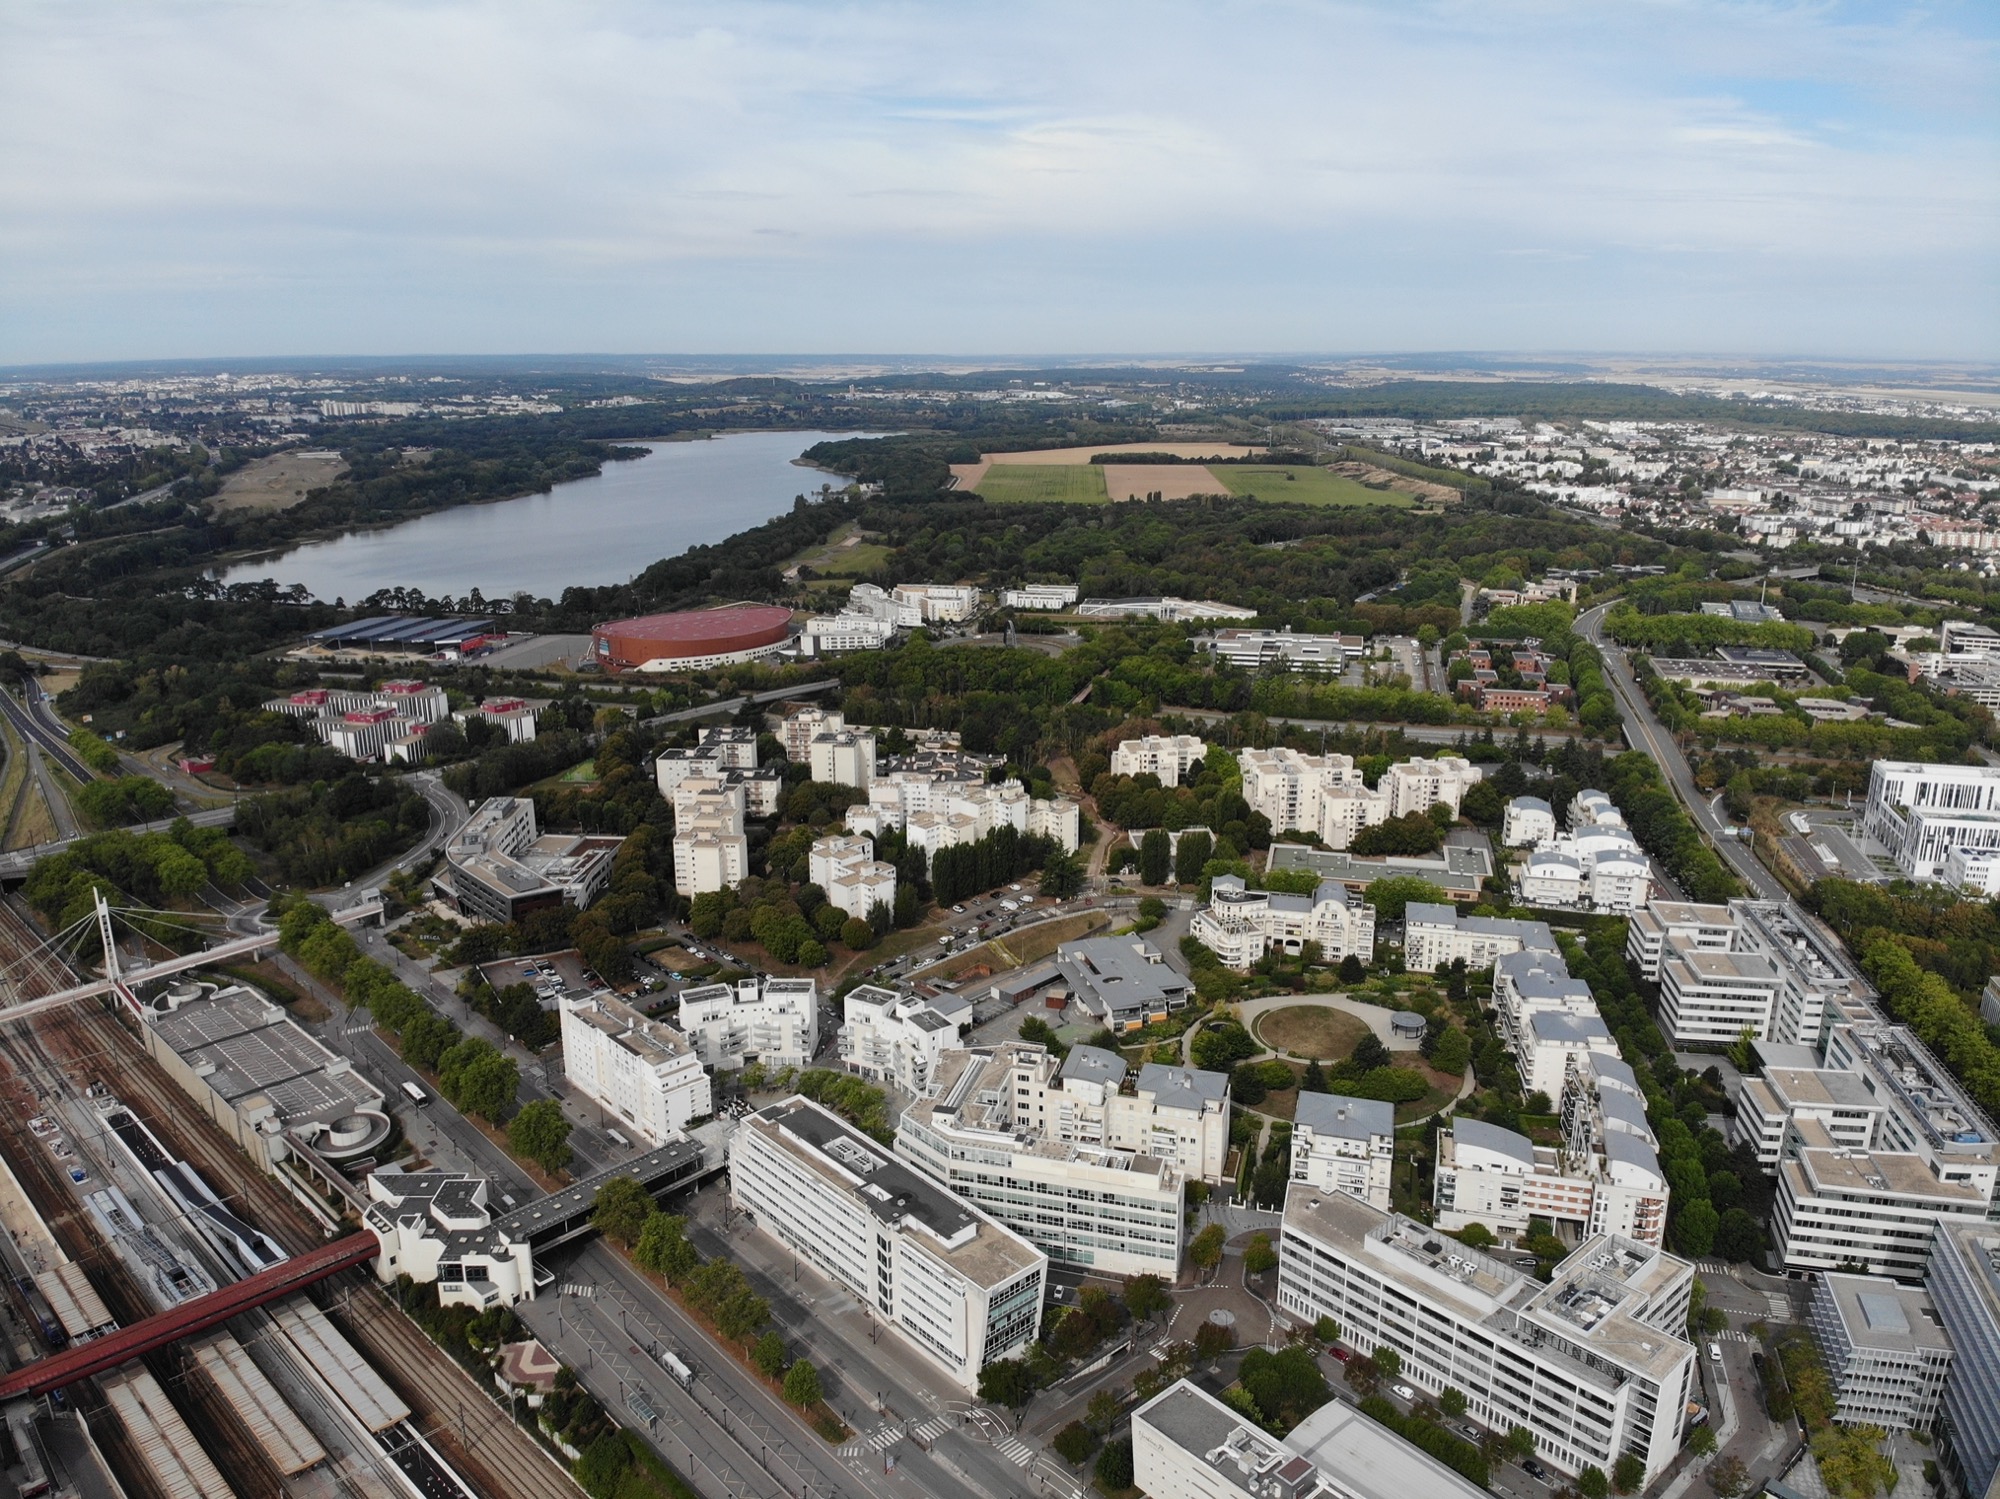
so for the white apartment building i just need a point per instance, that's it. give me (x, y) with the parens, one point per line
(935, 603)
(1240, 925)
(845, 867)
(1964, 1284)
(843, 757)
(1022, 1136)
(1418, 785)
(1921, 812)
(1186, 1444)
(639, 1069)
(733, 746)
(1529, 821)
(510, 715)
(959, 1288)
(1882, 1343)
(1345, 1145)
(1285, 784)
(938, 811)
(900, 1039)
(1603, 870)
(1501, 1179)
(1594, 1364)
(801, 723)
(711, 849)
(1051, 596)
(1533, 982)
(766, 1019)
(1435, 934)
(1555, 1042)
(1168, 756)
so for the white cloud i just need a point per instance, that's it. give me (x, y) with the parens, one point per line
(657, 176)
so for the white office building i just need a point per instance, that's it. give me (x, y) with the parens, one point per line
(1758, 966)
(1344, 1144)
(1029, 1140)
(832, 634)
(1255, 650)
(900, 1039)
(1870, 1210)
(770, 1020)
(1240, 925)
(643, 1071)
(1529, 821)
(1884, 1348)
(962, 1290)
(845, 867)
(1594, 1364)
(1168, 756)
(1049, 596)
(1436, 934)
(1964, 1284)
(1186, 1444)
(1921, 813)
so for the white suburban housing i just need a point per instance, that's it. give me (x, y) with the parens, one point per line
(1240, 925)
(711, 849)
(1594, 1364)
(1344, 1144)
(770, 1020)
(1326, 795)
(1032, 1141)
(643, 1071)
(963, 1290)
(1168, 756)
(1529, 821)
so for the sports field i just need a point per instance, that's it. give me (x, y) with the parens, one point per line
(1302, 486)
(1043, 483)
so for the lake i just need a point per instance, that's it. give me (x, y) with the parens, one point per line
(589, 532)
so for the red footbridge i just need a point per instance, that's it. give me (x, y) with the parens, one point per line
(81, 1360)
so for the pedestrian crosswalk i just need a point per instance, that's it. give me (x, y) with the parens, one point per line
(584, 1292)
(1016, 1451)
(884, 1437)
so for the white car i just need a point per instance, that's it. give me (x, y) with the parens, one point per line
(1403, 1391)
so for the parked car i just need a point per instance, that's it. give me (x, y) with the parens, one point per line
(1535, 1470)
(1403, 1392)
(1470, 1432)
(1343, 1354)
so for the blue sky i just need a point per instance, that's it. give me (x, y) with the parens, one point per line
(1709, 176)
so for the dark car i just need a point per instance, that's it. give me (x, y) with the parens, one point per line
(1343, 1354)
(1535, 1470)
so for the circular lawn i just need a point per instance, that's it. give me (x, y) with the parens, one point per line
(1314, 1031)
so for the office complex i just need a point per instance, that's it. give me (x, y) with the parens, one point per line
(1964, 1285)
(499, 868)
(1168, 756)
(960, 1288)
(1033, 1142)
(900, 1039)
(1240, 925)
(1761, 967)
(773, 1021)
(1436, 934)
(642, 1070)
(1593, 1363)
(1883, 1346)
(1186, 1444)
(1922, 813)
(1051, 596)
(1346, 1145)
(1255, 650)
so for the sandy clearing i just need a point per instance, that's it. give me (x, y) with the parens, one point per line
(1084, 455)
(969, 474)
(279, 481)
(1172, 481)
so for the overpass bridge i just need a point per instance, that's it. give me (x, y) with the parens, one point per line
(563, 1217)
(81, 1360)
(15, 866)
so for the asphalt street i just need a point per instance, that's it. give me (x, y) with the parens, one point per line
(1648, 734)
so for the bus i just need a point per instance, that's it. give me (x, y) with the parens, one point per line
(415, 1094)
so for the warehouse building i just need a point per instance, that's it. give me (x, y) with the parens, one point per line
(960, 1288)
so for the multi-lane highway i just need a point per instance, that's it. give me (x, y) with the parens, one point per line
(1650, 736)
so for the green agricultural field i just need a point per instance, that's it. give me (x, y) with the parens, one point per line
(1045, 483)
(1302, 486)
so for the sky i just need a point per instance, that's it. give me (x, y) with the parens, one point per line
(1288, 177)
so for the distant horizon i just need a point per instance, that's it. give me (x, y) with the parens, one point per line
(216, 175)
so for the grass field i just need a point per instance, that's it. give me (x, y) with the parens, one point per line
(1312, 1031)
(1302, 486)
(1040, 483)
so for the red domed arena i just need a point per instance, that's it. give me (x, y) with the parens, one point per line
(692, 640)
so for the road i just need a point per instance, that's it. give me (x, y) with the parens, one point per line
(731, 704)
(1649, 735)
(19, 861)
(38, 723)
(1423, 733)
